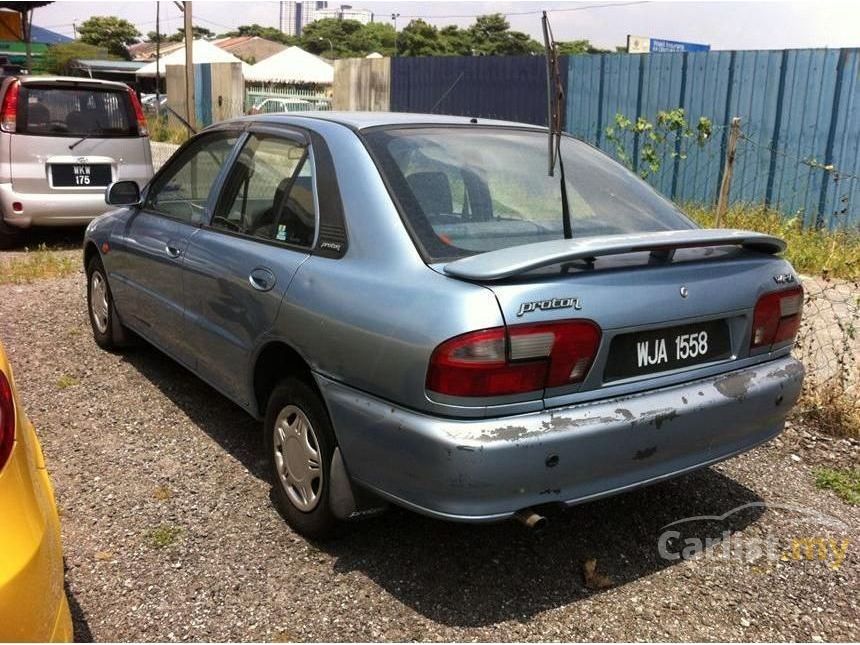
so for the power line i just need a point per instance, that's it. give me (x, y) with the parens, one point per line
(607, 5)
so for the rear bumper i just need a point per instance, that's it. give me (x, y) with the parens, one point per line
(50, 209)
(487, 469)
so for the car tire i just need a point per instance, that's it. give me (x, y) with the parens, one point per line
(300, 443)
(10, 236)
(108, 332)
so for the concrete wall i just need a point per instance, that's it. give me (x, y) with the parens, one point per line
(219, 91)
(362, 84)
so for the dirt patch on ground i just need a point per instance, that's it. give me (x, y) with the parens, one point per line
(169, 532)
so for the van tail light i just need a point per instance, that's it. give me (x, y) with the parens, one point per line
(138, 113)
(514, 360)
(7, 420)
(9, 110)
(777, 317)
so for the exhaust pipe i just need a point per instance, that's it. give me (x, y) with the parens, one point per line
(528, 518)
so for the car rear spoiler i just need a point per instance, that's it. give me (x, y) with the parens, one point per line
(504, 263)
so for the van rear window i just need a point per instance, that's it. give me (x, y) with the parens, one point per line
(75, 112)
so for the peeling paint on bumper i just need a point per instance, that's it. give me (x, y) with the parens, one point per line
(487, 469)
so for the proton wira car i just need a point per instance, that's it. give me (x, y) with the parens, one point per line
(62, 141)
(418, 316)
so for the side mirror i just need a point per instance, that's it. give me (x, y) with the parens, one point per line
(123, 193)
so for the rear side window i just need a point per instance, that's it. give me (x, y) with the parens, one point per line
(270, 192)
(75, 112)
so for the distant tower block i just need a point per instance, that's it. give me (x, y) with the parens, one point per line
(295, 15)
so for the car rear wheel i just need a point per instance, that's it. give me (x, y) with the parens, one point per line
(300, 444)
(10, 236)
(108, 331)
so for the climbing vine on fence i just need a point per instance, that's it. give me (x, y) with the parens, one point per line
(669, 128)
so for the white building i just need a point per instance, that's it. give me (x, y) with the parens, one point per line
(345, 12)
(295, 15)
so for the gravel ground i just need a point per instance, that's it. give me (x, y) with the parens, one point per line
(169, 532)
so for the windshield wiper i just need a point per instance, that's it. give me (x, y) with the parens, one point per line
(81, 140)
(555, 100)
(87, 136)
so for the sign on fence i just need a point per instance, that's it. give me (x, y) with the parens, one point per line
(648, 45)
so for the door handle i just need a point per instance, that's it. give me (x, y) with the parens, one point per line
(262, 279)
(172, 251)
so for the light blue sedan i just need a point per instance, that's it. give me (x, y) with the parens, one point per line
(420, 314)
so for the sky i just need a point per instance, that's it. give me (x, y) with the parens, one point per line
(722, 24)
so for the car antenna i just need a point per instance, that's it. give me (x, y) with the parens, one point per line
(555, 101)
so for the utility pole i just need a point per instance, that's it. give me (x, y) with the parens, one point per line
(394, 17)
(726, 185)
(189, 66)
(75, 29)
(158, 58)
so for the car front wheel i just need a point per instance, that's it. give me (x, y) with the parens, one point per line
(300, 444)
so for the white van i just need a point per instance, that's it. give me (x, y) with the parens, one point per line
(62, 142)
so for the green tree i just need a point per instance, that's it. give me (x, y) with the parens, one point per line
(269, 33)
(152, 36)
(456, 41)
(331, 37)
(373, 37)
(110, 33)
(419, 38)
(58, 58)
(574, 47)
(492, 36)
(196, 32)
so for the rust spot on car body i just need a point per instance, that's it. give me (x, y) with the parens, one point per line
(509, 433)
(734, 386)
(658, 417)
(645, 453)
(627, 414)
(792, 370)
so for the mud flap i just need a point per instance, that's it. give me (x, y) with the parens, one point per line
(348, 501)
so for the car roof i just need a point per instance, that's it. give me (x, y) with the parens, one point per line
(364, 120)
(70, 79)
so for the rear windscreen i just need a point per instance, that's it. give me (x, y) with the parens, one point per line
(78, 112)
(469, 190)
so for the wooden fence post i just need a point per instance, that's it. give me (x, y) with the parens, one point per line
(726, 185)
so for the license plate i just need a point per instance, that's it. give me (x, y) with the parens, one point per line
(670, 348)
(81, 175)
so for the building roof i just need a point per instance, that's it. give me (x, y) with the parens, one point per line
(293, 65)
(250, 48)
(202, 52)
(146, 51)
(46, 36)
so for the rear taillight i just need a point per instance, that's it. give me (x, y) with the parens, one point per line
(9, 110)
(777, 317)
(138, 113)
(514, 360)
(7, 420)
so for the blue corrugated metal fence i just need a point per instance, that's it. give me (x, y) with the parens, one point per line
(800, 112)
(491, 87)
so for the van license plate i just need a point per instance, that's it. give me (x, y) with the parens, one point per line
(670, 348)
(80, 175)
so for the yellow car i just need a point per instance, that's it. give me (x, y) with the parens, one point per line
(33, 605)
